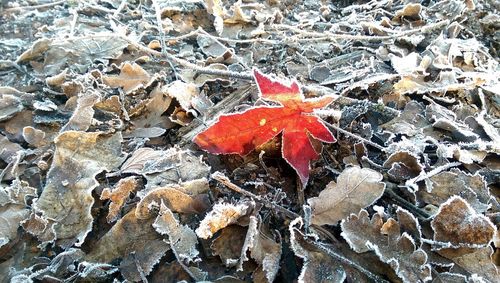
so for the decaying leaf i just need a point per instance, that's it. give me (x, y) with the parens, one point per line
(444, 185)
(118, 196)
(240, 133)
(78, 158)
(264, 250)
(174, 199)
(133, 240)
(83, 114)
(181, 238)
(74, 53)
(132, 76)
(479, 262)
(318, 267)
(222, 215)
(9, 106)
(391, 245)
(356, 188)
(459, 224)
(229, 243)
(11, 216)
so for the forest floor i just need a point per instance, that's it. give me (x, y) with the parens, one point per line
(359, 141)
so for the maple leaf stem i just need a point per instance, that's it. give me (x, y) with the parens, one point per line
(354, 136)
(226, 182)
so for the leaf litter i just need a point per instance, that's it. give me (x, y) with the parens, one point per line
(249, 141)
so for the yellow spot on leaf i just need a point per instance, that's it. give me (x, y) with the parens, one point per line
(275, 129)
(262, 122)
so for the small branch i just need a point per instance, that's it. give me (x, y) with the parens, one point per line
(335, 36)
(437, 170)
(347, 261)
(354, 136)
(226, 182)
(35, 7)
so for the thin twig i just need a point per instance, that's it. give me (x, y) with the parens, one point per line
(34, 7)
(335, 36)
(354, 136)
(411, 183)
(226, 182)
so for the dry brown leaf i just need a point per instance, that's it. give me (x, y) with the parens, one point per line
(222, 215)
(229, 243)
(356, 188)
(83, 114)
(34, 137)
(264, 250)
(78, 158)
(181, 238)
(444, 185)
(403, 165)
(458, 224)
(133, 240)
(74, 53)
(391, 245)
(11, 216)
(479, 262)
(318, 266)
(174, 199)
(119, 196)
(9, 106)
(132, 76)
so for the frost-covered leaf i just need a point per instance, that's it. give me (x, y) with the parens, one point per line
(75, 53)
(135, 242)
(479, 262)
(391, 245)
(9, 106)
(83, 113)
(229, 243)
(11, 216)
(78, 158)
(318, 266)
(222, 215)
(356, 188)
(444, 185)
(241, 133)
(459, 224)
(181, 238)
(118, 196)
(132, 76)
(174, 199)
(264, 250)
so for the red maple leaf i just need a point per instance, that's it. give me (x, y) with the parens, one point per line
(241, 133)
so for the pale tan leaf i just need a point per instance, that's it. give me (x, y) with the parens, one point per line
(182, 239)
(356, 188)
(118, 196)
(174, 199)
(221, 215)
(132, 76)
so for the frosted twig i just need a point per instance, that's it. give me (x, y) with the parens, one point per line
(334, 36)
(34, 7)
(354, 136)
(226, 182)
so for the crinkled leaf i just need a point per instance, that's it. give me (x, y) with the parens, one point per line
(391, 245)
(181, 238)
(221, 215)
